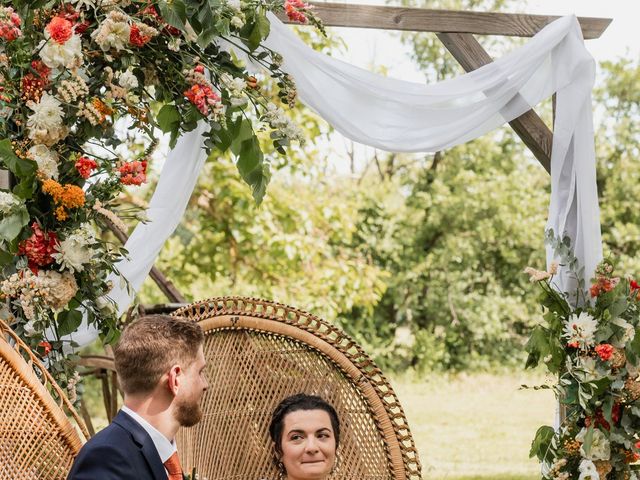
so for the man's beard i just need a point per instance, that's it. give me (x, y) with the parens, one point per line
(188, 413)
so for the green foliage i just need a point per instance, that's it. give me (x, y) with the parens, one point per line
(418, 257)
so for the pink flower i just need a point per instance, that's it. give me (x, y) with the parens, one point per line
(9, 24)
(203, 97)
(133, 173)
(295, 10)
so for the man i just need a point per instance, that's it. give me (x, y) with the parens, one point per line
(160, 364)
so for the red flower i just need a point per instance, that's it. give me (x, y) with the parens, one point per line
(82, 27)
(46, 346)
(133, 173)
(199, 69)
(136, 38)
(38, 247)
(603, 284)
(33, 83)
(85, 166)
(202, 96)
(60, 29)
(594, 290)
(604, 351)
(573, 345)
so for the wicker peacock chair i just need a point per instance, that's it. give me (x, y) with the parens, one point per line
(37, 439)
(258, 353)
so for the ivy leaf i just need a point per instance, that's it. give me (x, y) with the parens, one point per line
(20, 167)
(69, 321)
(541, 442)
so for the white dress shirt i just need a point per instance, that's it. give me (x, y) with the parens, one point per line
(164, 447)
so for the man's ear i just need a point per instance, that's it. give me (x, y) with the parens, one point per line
(173, 380)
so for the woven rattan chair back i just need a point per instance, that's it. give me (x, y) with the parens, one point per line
(37, 439)
(258, 353)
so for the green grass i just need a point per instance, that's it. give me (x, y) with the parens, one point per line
(472, 427)
(466, 427)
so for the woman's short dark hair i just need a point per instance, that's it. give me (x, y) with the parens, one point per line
(300, 401)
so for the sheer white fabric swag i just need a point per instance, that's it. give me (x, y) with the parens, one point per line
(401, 116)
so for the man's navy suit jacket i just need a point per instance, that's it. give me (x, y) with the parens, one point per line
(122, 451)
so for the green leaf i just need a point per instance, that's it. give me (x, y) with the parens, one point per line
(68, 321)
(588, 441)
(11, 226)
(537, 346)
(240, 131)
(20, 167)
(5, 257)
(541, 442)
(168, 118)
(259, 32)
(174, 13)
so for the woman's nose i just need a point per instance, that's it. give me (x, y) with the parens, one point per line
(312, 445)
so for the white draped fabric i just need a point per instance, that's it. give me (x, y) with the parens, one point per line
(401, 116)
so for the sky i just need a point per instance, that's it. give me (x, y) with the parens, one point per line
(370, 48)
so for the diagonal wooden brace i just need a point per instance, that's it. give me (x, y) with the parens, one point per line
(529, 126)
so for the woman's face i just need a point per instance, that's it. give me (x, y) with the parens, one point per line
(308, 445)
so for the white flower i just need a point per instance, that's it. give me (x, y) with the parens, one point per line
(581, 330)
(113, 32)
(29, 329)
(234, 4)
(600, 447)
(46, 159)
(237, 21)
(588, 470)
(8, 202)
(45, 123)
(128, 80)
(74, 252)
(66, 55)
(174, 44)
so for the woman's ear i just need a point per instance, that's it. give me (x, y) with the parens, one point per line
(173, 381)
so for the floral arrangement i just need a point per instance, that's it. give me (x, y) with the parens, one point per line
(86, 89)
(589, 341)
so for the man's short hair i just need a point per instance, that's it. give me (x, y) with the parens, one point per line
(150, 346)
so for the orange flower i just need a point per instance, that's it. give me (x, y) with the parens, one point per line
(101, 107)
(64, 196)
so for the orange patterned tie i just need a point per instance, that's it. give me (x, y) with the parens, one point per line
(173, 467)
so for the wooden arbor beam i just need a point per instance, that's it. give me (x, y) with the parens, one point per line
(529, 126)
(445, 21)
(456, 30)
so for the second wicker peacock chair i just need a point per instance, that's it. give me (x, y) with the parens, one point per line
(37, 439)
(258, 353)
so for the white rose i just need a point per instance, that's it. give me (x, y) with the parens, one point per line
(46, 159)
(68, 55)
(74, 252)
(588, 470)
(8, 202)
(45, 123)
(113, 33)
(128, 80)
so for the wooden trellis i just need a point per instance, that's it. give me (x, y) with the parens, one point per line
(456, 30)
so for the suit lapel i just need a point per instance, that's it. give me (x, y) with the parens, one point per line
(144, 442)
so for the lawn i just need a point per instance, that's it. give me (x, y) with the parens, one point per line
(466, 427)
(475, 427)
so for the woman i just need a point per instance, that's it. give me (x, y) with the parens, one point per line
(305, 431)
